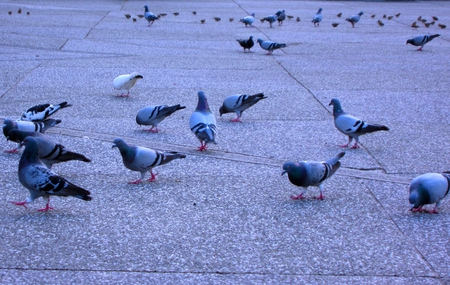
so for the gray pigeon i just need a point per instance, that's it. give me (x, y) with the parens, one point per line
(428, 188)
(270, 46)
(271, 19)
(153, 115)
(248, 20)
(126, 82)
(311, 173)
(26, 126)
(239, 103)
(352, 126)
(142, 159)
(42, 111)
(203, 123)
(354, 19)
(246, 44)
(421, 40)
(281, 16)
(41, 181)
(317, 18)
(149, 16)
(49, 152)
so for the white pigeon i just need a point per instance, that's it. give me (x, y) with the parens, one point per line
(239, 103)
(125, 82)
(311, 173)
(352, 126)
(42, 111)
(149, 16)
(248, 20)
(26, 126)
(142, 159)
(203, 123)
(153, 115)
(270, 46)
(428, 188)
(317, 18)
(41, 181)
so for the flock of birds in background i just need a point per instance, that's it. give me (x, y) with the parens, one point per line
(41, 152)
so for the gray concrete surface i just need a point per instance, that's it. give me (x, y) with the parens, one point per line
(225, 216)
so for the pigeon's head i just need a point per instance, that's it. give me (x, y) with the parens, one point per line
(361, 13)
(289, 167)
(320, 10)
(119, 143)
(260, 41)
(136, 75)
(414, 200)
(15, 136)
(146, 8)
(252, 14)
(410, 41)
(30, 144)
(221, 110)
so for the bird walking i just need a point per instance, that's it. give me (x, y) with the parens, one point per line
(239, 103)
(49, 152)
(125, 82)
(153, 115)
(281, 16)
(354, 19)
(421, 40)
(428, 188)
(248, 20)
(203, 123)
(311, 173)
(270, 46)
(352, 126)
(271, 19)
(142, 159)
(246, 44)
(317, 18)
(41, 112)
(41, 181)
(149, 16)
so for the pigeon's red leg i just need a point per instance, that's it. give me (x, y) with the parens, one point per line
(153, 176)
(298, 197)
(356, 145)
(15, 150)
(24, 203)
(203, 146)
(320, 197)
(238, 119)
(47, 207)
(135, 182)
(419, 209)
(420, 49)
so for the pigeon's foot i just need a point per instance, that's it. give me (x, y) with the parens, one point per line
(237, 120)
(153, 176)
(47, 207)
(24, 203)
(298, 197)
(431, 211)
(202, 147)
(343, 145)
(15, 150)
(355, 146)
(320, 197)
(152, 130)
(135, 182)
(269, 53)
(420, 49)
(414, 210)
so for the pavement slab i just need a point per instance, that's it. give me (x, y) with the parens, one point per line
(225, 216)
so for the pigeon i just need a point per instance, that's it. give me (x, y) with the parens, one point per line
(248, 20)
(41, 181)
(427, 25)
(352, 126)
(317, 18)
(27, 127)
(335, 24)
(373, 16)
(149, 16)
(390, 17)
(10, 12)
(290, 17)
(384, 16)
(231, 19)
(140, 16)
(442, 26)
(270, 19)
(126, 82)
(354, 19)
(176, 13)
(270, 46)
(127, 16)
(194, 12)
(339, 14)
(419, 18)
(142, 159)
(421, 40)
(217, 19)
(414, 25)
(398, 15)
(49, 152)
(298, 19)
(19, 11)
(134, 19)
(380, 23)
(202, 21)
(428, 188)
(281, 16)
(203, 123)
(246, 44)
(42, 111)
(311, 173)
(435, 18)
(153, 115)
(239, 103)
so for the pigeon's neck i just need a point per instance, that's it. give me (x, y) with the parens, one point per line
(203, 105)
(337, 110)
(29, 156)
(146, 9)
(127, 153)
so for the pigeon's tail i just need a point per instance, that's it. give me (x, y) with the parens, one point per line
(69, 155)
(281, 46)
(75, 191)
(374, 128)
(64, 105)
(48, 123)
(334, 160)
(434, 36)
(169, 156)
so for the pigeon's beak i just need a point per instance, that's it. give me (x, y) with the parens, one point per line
(114, 145)
(284, 172)
(331, 103)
